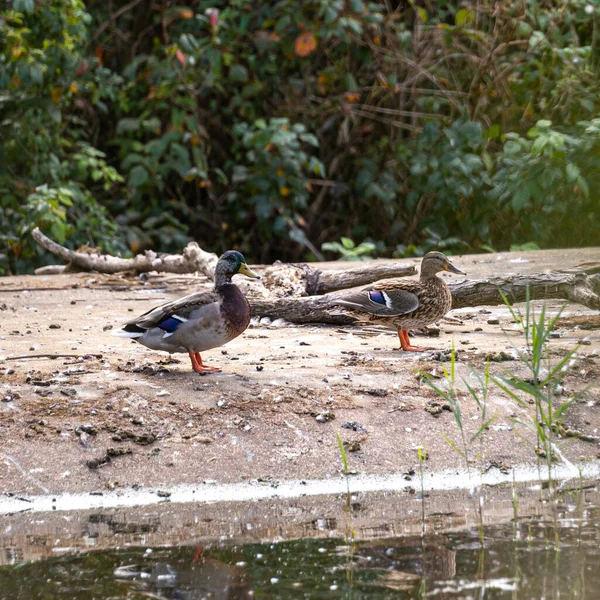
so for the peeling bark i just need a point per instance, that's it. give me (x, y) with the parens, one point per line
(290, 280)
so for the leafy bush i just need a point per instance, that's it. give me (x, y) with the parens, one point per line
(541, 185)
(48, 171)
(349, 250)
(278, 127)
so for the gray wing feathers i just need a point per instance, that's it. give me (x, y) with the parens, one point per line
(182, 307)
(400, 303)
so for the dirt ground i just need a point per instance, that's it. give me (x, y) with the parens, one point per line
(109, 412)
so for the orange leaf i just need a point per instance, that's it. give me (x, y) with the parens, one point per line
(305, 44)
(351, 97)
(180, 57)
(99, 53)
(186, 13)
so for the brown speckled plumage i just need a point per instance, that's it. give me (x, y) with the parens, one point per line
(404, 304)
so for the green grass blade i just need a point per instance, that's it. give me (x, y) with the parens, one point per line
(512, 394)
(483, 428)
(452, 445)
(342, 452)
(563, 408)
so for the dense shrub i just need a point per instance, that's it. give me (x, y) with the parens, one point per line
(277, 127)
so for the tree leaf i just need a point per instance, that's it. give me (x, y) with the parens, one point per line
(520, 198)
(238, 73)
(464, 17)
(138, 176)
(305, 44)
(127, 125)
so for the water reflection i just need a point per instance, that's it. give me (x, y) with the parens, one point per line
(203, 578)
(442, 566)
(549, 554)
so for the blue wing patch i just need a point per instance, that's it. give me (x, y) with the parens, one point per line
(171, 324)
(377, 297)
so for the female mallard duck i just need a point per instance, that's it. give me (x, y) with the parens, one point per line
(404, 304)
(200, 321)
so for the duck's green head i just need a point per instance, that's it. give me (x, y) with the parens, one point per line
(233, 262)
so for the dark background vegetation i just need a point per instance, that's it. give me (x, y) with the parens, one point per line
(275, 127)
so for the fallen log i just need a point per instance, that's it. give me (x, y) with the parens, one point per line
(280, 279)
(574, 286)
(303, 294)
(291, 280)
(191, 260)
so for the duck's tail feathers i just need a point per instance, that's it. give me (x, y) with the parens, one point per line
(129, 331)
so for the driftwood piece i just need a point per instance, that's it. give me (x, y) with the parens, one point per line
(300, 284)
(192, 259)
(576, 286)
(285, 280)
(280, 279)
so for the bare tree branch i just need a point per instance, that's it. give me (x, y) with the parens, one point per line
(191, 260)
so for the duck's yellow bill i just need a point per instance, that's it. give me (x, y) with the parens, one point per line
(247, 271)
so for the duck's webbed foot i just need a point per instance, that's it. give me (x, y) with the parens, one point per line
(199, 366)
(405, 342)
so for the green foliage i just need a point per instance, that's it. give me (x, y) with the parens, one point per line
(271, 177)
(49, 173)
(348, 250)
(447, 178)
(543, 180)
(457, 126)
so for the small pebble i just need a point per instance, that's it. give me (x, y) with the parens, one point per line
(325, 416)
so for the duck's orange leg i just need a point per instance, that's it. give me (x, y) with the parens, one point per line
(199, 366)
(405, 342)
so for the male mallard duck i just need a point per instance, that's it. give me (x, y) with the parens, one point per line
(200, 321)
(404, 304)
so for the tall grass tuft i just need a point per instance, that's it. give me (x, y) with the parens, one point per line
(542, 384)
(451, 396)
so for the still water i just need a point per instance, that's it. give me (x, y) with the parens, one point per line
(552, 554)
